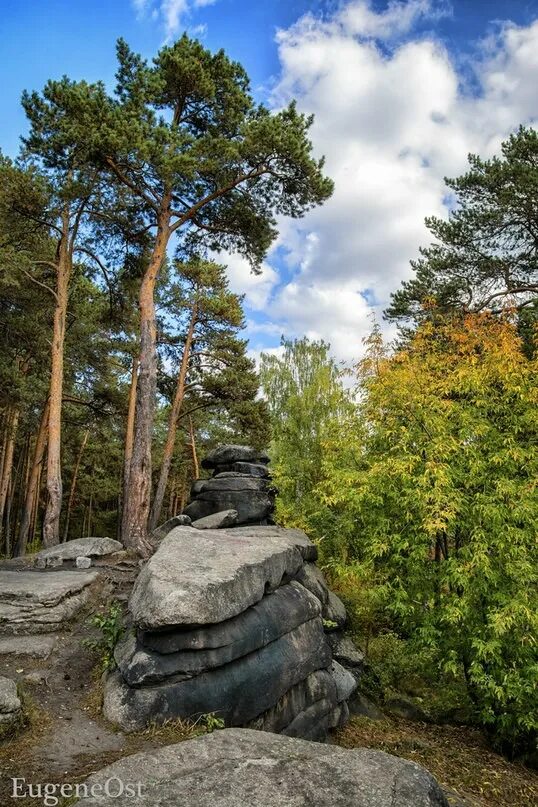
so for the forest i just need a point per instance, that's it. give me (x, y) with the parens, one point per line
(123, 361)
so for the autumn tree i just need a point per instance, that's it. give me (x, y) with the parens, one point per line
(485, 256)
(439, 484)
(204, 162)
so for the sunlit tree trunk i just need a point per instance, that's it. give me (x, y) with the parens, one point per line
(137, 495)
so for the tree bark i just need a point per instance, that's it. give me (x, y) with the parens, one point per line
(137, 495)
(32, 490)
(172, 423)
(195, 466)
(51, 523)
(7, 467)
(129, 428)
(74, 483)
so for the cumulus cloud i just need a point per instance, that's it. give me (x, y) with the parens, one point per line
(393, 120)
(172, 13)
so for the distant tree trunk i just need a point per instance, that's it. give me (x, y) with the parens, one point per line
(195, 466)
(12, 423)
(14, 485)
(172, 423)
(74, 483)
(137, 495)
(129, 429)
(31, 501)
(51, 523)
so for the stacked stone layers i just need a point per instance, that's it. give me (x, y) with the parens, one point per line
(228, 622)
(241, 483)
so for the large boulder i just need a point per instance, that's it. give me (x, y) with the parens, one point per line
(10, 707)
(37, 602)
(81, 548)
(154, 657)
(200, 577)
(239, 767)
(237, 692)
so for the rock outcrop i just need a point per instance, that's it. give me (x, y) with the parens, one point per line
(238, 767)
(10, 707)
(241, 482)
(41, 602)
(81, 548)
(224, 623)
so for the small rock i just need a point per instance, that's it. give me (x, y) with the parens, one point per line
(36, 677)
(54, 561)
(83, 562)
(226, 518)
(345, 683)
(9, 700)
(176, 521)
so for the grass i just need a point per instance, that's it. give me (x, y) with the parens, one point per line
(457, 756)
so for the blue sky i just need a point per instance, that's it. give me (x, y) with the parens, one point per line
(401, 92)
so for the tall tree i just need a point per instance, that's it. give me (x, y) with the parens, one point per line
(485, 256)
(207, 308)
(184, 136)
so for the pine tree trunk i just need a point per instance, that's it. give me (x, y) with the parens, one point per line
(129, 428)
(74, 484)
(31, 501)
(172, 424)
(195, 466)
(51, 523)
(137, 494)
(11, 428)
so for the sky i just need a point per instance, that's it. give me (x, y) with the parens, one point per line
(402, 91)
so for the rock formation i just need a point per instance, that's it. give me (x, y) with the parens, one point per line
(237, 767)
(232, 622)
(33, 602)
(241, 482)
(11, 716)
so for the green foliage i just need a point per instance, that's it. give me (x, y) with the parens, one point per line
(305, 396)
(211, 722)
(110, 625)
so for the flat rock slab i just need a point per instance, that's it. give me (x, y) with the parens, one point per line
(41, 602)
(81, 548)
(238, 767)
(34, 646)
(226, 518)
(200, 577)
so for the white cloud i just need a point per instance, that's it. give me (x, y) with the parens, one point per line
(172, 13)
(392, 122)
(257, 288)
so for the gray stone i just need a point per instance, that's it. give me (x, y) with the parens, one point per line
(406, 708)
(34, 602)
(361, 706)
(81, 547)
(333, 610)
(318, 686)
(240, 482)
(53, 561)
(313, 723)
(229, 454)
(344, 681)
(253, 505)
(36, 678)
(241, 767)
(9, 700)
(345, 651)
(199, 577)
(226, 518)
(275, 615)
(83, 563)
(34, 646)
(251, 468)
(237, 692)
(176, 521)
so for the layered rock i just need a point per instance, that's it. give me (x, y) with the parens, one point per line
(241, 482)
(41, 602)
(238, 767)
(223, 623)
(79, 548)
